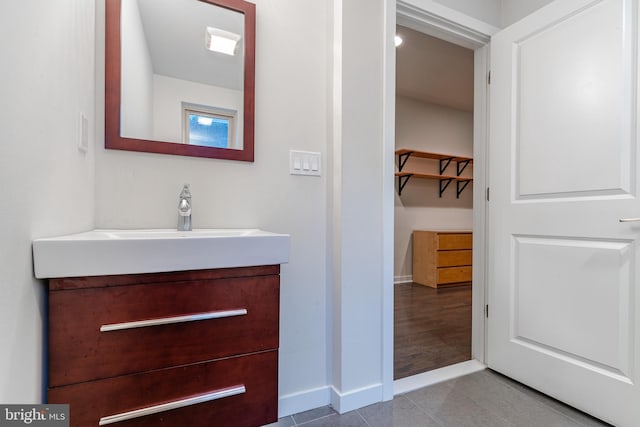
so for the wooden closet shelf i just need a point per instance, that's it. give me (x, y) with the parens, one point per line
(430, 155)
(433, 176)
(444, 162)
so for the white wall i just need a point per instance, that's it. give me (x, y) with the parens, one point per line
(356, 203)
(47, 185)
(497, 13)
(141, 190)
(169, 93)
(136, 75)
(485, 10)
(430, 127)
(514, 10)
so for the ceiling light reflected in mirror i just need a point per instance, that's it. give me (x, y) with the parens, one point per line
(222, 41)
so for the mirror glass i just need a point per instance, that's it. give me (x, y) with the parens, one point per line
(180, 74)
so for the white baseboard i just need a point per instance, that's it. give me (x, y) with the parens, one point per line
(402, 279)
(405, 385)
(344, 402)
(303, 401)
(359, 398)
(322, 396)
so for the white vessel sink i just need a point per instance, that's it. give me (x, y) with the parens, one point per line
(107, 252)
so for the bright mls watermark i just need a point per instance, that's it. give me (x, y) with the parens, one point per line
(34, 415)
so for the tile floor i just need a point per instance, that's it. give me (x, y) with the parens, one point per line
(482, 399)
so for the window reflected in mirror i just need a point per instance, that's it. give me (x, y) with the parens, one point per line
(210, 127)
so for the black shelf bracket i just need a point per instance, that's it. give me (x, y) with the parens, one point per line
(460, 186)
(402, 181)
(446, 183)
(464, 164)
(402, 160)
(444, 163)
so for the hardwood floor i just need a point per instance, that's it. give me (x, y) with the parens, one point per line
(432, 328)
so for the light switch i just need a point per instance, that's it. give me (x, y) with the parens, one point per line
(304, 163)
(83, 133)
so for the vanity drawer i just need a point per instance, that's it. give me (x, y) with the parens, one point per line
(454, 258)
(454, 275)
(450, 241)
(250, 381)
(189, 322)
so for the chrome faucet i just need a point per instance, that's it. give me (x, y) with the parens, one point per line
(184, 209)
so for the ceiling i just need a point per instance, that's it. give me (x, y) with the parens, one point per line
(175, 33)
(427, 69)
(433, 70)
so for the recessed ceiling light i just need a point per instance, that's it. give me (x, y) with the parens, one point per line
(398, 40)
(222, 41)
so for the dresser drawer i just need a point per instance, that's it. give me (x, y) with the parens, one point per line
(453, 258)
(192, 395)
(102, 332)
(451, 241)
(454, 275)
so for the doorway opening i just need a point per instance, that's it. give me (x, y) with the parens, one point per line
(446, 25)
(433, 204)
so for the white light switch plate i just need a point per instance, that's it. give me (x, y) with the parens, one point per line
(83, 133)
(305, 163)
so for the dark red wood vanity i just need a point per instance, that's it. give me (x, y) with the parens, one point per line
(192, 348)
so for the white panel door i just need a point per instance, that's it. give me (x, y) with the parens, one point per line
(563, 270)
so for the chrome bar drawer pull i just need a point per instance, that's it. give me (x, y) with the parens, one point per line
(629, 219)
(201, 398)
(175, 319)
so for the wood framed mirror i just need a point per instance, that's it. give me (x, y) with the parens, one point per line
(169, 89)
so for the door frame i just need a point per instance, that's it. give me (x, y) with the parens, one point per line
(447, 24)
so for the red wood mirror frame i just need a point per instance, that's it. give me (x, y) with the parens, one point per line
(113, 138)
